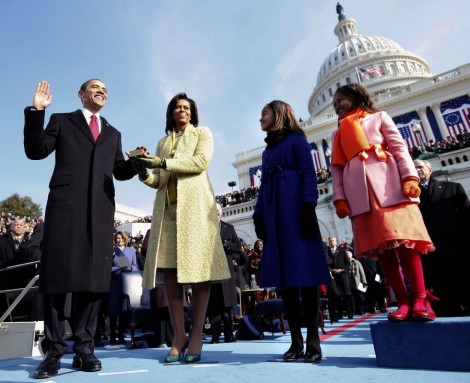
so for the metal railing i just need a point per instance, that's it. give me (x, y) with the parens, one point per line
(23, 291)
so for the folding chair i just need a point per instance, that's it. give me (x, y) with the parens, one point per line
(136, 300)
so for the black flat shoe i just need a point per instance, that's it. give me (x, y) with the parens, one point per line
(49, 367)
(86, 362)
(312, 357)
(292, 356)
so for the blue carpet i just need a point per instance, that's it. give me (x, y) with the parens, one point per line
(348, 357)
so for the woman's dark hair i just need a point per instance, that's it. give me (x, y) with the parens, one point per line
(360, 96)
(284, 117)
(170, 123)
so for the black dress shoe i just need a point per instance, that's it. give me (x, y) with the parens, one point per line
(86, 362)
(292, 356)
(214, 341)
(50, 366)
(312, 357)
(230, 340)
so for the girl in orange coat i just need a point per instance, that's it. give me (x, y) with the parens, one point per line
(376, 184)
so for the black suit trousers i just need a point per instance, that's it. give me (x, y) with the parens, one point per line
(83, 321)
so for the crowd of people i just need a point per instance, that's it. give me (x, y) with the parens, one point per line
(238, 196)
(449, 144)
(251, 193)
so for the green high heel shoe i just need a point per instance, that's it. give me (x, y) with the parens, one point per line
(174, 358)
(192, 358)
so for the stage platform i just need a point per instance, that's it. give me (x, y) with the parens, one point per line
(347, 348)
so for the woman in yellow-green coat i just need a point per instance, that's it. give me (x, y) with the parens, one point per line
(184, 240)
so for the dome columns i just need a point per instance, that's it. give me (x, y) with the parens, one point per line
(321, 153)
(426, 125)
(436, 109)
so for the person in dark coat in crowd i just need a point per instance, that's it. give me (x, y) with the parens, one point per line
(33, 253)
(376, 293)
(124, 261)
(79, 225)
(253, 266)
(239, 266)
(13, 253)
(223, 295)
(163, 332)
(293, 259)
(357, 283)
(33, 249)
(339, 294)
(446, 212)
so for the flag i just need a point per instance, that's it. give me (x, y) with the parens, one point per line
(411, 137)
(405, 124)
(455, 103)
(368, 71)
(252, 172)
(316, 156)
(457, 121)
(456, 114)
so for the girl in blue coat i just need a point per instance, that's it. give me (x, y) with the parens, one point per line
(294, 259)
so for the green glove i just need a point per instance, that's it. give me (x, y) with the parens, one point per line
(139, 168)
(151, 162)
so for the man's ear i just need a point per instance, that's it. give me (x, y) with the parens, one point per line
(80, 95)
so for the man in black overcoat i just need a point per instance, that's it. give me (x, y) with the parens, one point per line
(446, 212)
(77, 244)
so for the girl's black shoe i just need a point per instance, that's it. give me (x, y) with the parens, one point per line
(312, 357)
(292, 356)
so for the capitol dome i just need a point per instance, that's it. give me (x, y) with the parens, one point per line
(378, 63)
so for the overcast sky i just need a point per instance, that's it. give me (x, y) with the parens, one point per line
(232, 57)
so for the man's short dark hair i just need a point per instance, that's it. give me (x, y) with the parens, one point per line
(84, 85)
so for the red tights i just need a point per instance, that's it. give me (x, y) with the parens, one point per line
(410, 262)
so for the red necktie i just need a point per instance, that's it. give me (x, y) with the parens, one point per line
(95, 130)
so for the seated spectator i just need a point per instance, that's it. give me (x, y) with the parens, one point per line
(124, 261)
